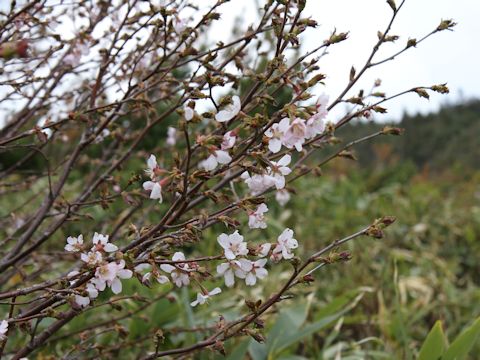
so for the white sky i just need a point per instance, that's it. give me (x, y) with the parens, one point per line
(451, 57)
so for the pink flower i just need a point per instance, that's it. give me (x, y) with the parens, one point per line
(256, 219)
(229, 140)
(285, 244)
(279, 170)
(218, 157)
(295, 135)
(230, 111)
(179, 272)
(233, 245)
(202, 298)
(74, 244)
(276, 133)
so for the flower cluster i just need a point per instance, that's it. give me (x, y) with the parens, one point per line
(107, 273)
(292, 134)
(236, 249)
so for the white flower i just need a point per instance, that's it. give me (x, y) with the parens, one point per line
(155, 190)
(282, 196)
(179, 25)
(321, 106)
(279, 170)
(92, 291)
(152, 167)
(142, 267)
(171, 136)
(74, 244)
(230, 111)
(82, 301)
(295, 135)
(92, 257)
(229, 270)
(218, 157)
(101, 243)
(179, 272)
(257, 183)
(110, 274)
(188, 113)
(256, 219)
(74, 57)
(254, 270)
(233, 245)
(202, 298)
(264, 249)
(276, 133)
(285, 244)
(3, 329)
(229, 139)
(315, 124)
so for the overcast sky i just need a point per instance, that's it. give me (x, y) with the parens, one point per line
(451, 57)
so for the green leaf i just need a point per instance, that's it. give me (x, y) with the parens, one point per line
(464, 342)
(434, 345)
(240, 351)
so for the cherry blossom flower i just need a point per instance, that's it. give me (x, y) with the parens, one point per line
(295, 134)
(276, 133)
(229, 139)
(188, 112)
(101, 243)
(74, 244)
(110, 274)
(179, 272)
(229, 270)
(171, 136)
(256, 219)
(264, 249)
(257, 183)
(233, 245)
(202, 298)
(153, 168)
(315, 124)
(285, 244)
(230, 111)
(92, 291)
(179, 25)
(155, 190)
(218, 157)
(74, 57)
(282, 196)
(279, 170)
(321, 105)
(162, 279)
(92, 258)
(3, 329)
(253, 270)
